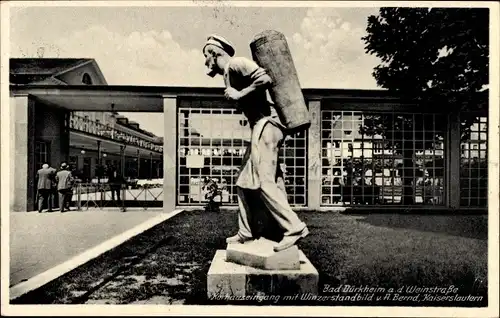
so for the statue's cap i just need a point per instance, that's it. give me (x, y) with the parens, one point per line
(220, 42)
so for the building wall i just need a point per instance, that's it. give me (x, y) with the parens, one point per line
(21, 141)
(134, 132)
(50, 127)
(77, 161)
(107, 122)
(75, 76)
(103, 117)
(34, 123)
(51, 143)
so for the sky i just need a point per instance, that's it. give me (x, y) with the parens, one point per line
(162, 45)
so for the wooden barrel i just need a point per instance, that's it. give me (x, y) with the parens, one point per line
(270, 51)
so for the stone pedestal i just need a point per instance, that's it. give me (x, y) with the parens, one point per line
(260, 254)
(228, 280)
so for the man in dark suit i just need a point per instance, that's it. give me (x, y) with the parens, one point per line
(46, 178)
(64, 186)
(115, 181)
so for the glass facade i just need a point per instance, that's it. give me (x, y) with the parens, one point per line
(212, 140)
(373, 154)
(377, 158)
(474, 160)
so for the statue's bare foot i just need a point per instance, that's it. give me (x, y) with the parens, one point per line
(238, 239)
(290, 240)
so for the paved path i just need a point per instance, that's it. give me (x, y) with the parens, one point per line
(40, 241)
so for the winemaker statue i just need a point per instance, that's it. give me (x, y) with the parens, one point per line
(260, 182)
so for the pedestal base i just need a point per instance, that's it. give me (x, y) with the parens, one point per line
(228, 280)
(260, 254)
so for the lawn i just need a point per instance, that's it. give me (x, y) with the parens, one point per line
(168, 264)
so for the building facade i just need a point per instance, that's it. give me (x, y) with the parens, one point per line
(89, 141)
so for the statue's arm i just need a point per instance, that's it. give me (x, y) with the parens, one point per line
(260, 81)
(259, 77)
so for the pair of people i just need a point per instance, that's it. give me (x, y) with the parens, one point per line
(48, 180)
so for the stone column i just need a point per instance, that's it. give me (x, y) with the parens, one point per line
(21, 153)
(99, 162)
(64, 116)
(122, 160)
(150, 165)
(314, 156)
(32, 168)
(138, 164)
(453, 161)
(170, 153)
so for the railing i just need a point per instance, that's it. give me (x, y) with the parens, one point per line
(95, 128)
(343, 190)
(123, 196)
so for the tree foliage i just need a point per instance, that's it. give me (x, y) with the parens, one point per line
(437, 57)
(432, 53)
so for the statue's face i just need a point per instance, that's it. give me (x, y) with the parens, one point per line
(210, 61)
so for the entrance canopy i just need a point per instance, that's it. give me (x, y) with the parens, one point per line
(127, 98)
(100, 98)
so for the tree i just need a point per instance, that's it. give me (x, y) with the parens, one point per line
(435, 57)
(427, 53)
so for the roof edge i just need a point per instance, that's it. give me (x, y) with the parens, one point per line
(181, 90)
(99, 72)
(84, 62)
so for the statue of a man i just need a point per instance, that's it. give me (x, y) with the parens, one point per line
(260, 182)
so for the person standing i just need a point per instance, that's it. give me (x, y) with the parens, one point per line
(46, 178)
(260, 182)
(64, 186)
(115, 181)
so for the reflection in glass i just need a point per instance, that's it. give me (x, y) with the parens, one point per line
(214, 140)
(473, 161)
(381, 158)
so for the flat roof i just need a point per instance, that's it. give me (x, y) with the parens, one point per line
(191, 90)
(136, 98)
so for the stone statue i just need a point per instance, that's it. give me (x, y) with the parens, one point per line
(264, 210)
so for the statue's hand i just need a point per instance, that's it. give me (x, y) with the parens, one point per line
(258, 73)
(232, 94)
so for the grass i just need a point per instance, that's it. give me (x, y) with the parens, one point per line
(168, 264)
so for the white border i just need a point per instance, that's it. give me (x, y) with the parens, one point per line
(493, 184)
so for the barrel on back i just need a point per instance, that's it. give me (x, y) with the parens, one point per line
(270, 51)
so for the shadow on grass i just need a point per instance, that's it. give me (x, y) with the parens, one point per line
(399, 250)
(475, 227)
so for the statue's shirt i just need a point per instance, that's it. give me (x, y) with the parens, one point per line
(258, 109)
(239, 75)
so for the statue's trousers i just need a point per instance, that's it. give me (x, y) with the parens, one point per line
(261, 175)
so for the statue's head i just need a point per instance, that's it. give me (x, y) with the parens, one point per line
(217, 51)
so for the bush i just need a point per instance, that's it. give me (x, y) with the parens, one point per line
(212, 194)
